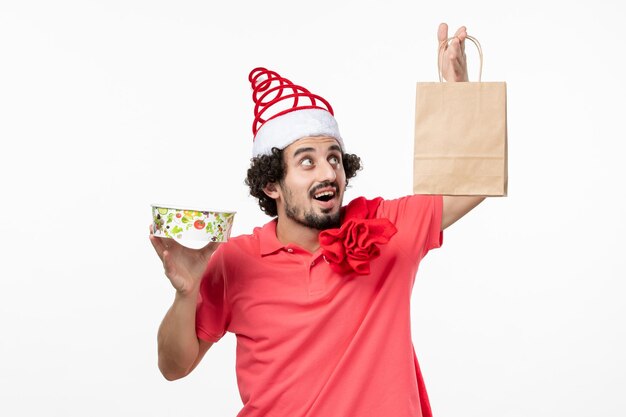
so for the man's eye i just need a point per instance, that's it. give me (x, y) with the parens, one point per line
(334, 160)
(306, 162)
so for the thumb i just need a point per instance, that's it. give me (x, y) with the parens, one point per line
(208, 250)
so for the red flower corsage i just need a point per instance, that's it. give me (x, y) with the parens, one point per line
(351, 247)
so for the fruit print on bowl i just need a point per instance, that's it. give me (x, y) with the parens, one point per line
(185, 224)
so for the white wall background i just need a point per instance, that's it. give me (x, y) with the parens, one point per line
(109, 106)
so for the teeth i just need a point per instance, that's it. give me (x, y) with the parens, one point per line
(325, 194)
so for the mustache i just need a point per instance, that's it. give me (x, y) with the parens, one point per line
(323, 185)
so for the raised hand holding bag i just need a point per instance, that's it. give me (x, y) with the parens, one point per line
(460, 136)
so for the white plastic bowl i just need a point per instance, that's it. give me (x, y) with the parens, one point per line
(175, 222)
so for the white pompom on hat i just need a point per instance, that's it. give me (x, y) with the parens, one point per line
(285, 112)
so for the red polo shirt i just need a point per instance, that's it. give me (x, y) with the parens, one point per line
(311, 342)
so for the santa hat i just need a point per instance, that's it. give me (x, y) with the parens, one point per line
(285, 112)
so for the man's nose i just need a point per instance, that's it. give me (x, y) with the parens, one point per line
(326, 172)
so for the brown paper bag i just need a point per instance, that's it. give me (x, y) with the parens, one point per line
(460, 136)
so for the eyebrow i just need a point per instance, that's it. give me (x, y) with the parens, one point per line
(335, 148)
(303, 150)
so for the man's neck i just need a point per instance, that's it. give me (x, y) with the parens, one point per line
(290, 231)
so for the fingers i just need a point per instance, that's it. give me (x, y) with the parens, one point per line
(461, 34)
(442, 33)
(454, 67)
(168, 265)
(456, 47)
(158, 245)
(161, 244)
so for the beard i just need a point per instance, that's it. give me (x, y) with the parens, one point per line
(323, 221)
(314, 221)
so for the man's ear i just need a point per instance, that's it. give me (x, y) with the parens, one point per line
(271, 190)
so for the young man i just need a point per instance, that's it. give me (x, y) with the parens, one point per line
(319, 297)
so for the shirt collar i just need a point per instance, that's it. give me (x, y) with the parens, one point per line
(269, 243)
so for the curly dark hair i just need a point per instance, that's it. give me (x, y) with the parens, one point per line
(266, 169)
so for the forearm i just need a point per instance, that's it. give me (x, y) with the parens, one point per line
(177, 341)
(455, 207)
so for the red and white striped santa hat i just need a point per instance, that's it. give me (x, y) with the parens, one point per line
(285, 112)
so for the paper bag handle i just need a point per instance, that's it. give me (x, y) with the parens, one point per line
(445, 43)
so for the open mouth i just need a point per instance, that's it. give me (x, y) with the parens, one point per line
(324, 196)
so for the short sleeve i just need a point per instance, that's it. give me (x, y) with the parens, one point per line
(213, 309)
(418, 220)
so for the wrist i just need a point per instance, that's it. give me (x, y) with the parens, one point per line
(187, 295)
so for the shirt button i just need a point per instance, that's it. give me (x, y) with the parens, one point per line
(312, 263)
(289, 250)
